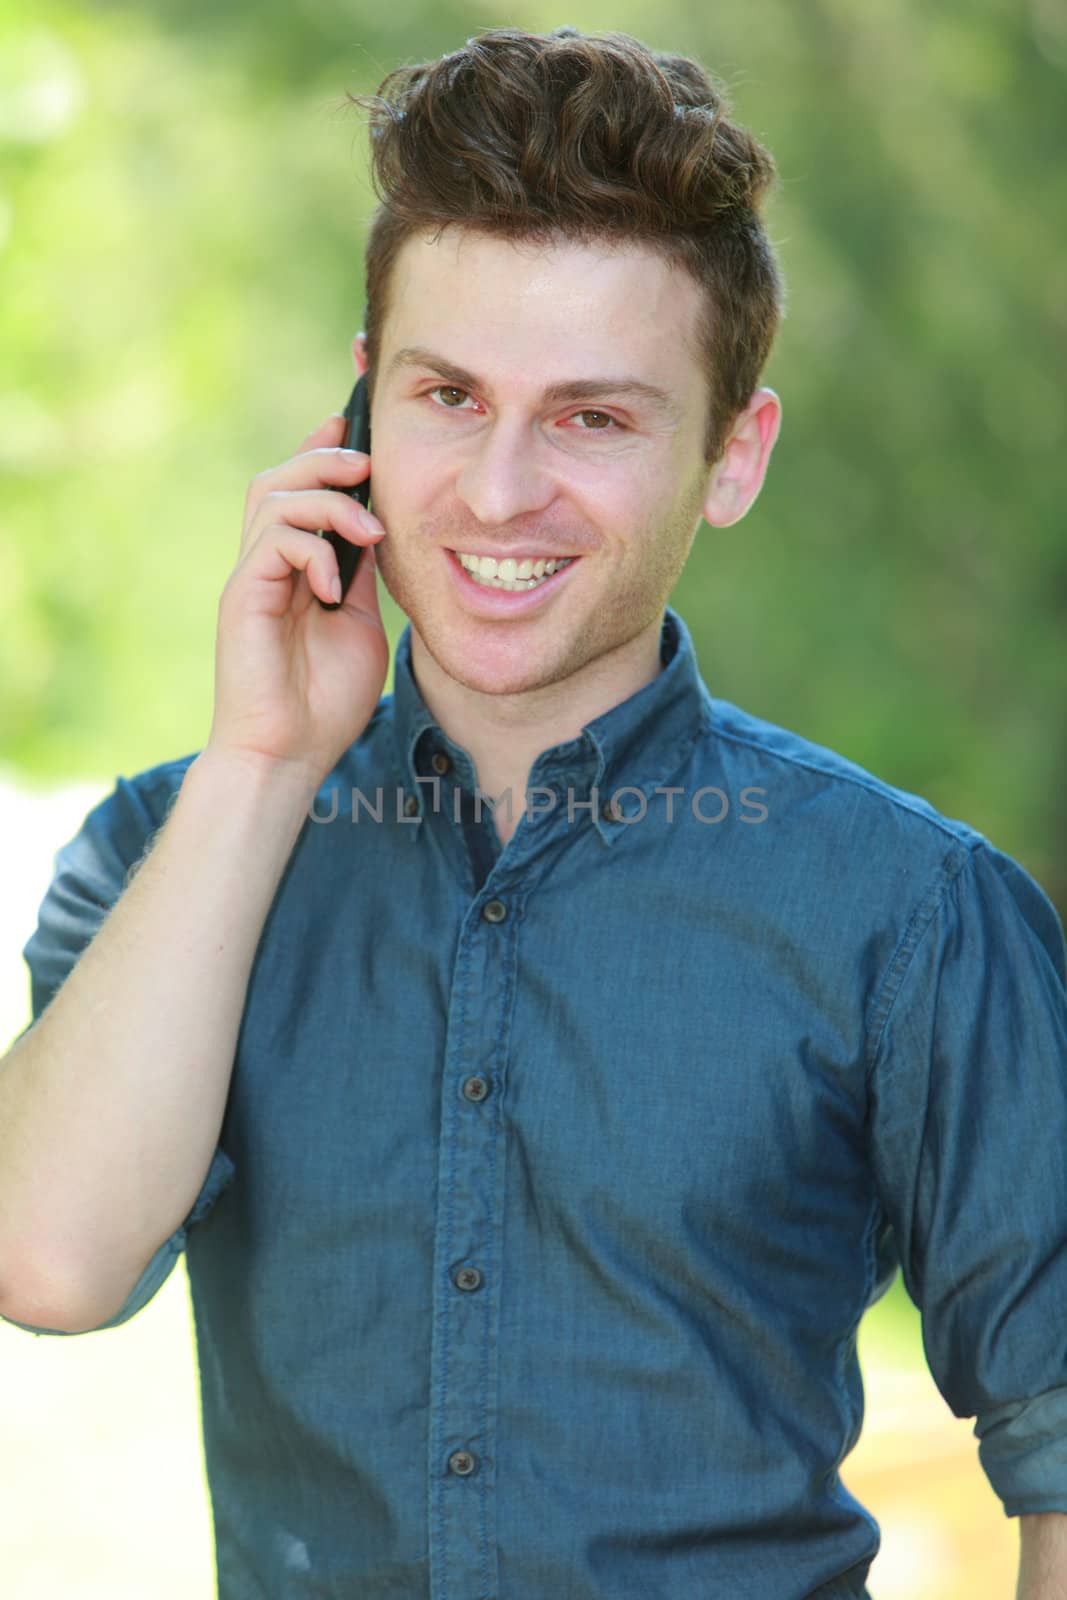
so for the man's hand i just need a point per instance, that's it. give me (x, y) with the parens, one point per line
(295, 684)
(1043, 1556)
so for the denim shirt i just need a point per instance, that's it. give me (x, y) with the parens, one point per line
(555, 1178)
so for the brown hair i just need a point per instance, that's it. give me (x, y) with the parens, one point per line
(566, 135)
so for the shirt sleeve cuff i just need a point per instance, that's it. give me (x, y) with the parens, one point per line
(1023, 1451)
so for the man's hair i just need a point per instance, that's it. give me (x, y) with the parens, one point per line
(583, 138)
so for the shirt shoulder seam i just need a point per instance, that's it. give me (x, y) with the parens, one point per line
(947, 871)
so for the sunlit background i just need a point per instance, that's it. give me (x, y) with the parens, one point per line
(183, 204)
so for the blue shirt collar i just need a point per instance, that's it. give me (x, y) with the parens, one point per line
(637, 745)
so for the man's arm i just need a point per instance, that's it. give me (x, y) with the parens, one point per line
(967, 1128)
(112, 1104)
(1043, 1556)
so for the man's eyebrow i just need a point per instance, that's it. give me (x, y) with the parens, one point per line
(415, 355)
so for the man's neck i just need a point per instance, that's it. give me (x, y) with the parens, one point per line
(504, 734)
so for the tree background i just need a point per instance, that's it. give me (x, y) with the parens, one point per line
(183, 203)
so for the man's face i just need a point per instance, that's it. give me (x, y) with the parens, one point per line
(470, 455)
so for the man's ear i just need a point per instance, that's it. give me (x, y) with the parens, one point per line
(737, 477)
(359, 352)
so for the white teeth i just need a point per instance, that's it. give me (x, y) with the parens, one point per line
(489, 567)
(508, 573)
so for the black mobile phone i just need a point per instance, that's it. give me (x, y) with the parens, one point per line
(357, 437)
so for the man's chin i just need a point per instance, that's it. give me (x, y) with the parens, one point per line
(491, 679)
(486, 666)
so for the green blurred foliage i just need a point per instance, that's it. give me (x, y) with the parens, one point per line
(183, 203)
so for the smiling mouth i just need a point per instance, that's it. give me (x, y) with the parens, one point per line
(510, 573)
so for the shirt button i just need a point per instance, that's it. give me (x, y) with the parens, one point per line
(468, 1278)
(494, 911)
(476, 1088)
(440, 762)
(411, 805)
(610, 811)
(462, 1463)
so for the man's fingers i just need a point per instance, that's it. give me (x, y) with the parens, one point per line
(279, 551)
(323, 466)
(328, 510)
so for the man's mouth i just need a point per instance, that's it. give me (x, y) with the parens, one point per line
(513, 574)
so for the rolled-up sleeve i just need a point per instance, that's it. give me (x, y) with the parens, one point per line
(968, 1140)
(90, 873)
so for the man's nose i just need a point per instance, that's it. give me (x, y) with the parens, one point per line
(504, 475)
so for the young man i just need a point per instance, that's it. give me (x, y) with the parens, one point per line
(535, 1170)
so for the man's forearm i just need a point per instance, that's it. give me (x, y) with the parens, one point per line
(1043, 1556)
(110, 1107)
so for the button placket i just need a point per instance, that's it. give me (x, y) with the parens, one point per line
(468, 1242)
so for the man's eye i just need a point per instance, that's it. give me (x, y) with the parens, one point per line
(601, 414)
(447, 388)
